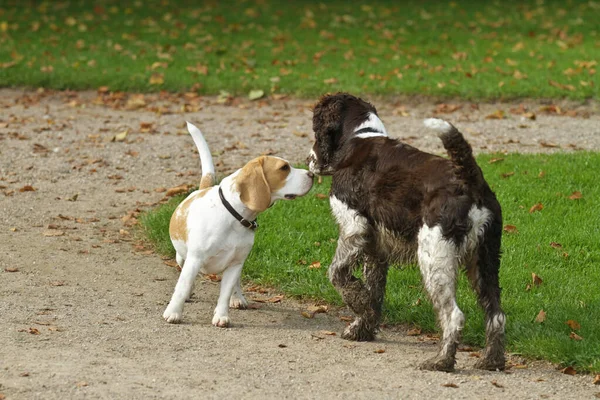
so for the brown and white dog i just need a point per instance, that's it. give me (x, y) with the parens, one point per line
(395, 203)
(212, 230)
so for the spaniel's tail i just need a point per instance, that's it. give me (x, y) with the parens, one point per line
(459, 150)
(206, 161)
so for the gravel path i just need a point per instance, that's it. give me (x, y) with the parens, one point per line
(81, 300)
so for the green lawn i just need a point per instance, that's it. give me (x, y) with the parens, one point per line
(471, 49)
(294, 235)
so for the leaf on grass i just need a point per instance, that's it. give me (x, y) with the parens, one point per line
(536, 207)
(537, 281)
(556, 245)
(575, 336)
(573, 324)
(507, 174)
(330, 81)
(157, 79)
(510, 229)
(569, 371)
(541, 317)
(576, 195)
(27, 188)
(450, 385)
(321, 196)
(496, 160)
(498, 114)
(315, 265)
(256, 94)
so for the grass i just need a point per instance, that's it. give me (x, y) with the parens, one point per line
(295, 234)
(471, 49)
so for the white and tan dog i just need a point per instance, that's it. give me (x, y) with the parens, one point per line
(212, 230)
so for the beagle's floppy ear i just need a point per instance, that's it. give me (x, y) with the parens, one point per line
(253, 187)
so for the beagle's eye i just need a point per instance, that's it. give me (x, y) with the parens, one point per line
(285, 168)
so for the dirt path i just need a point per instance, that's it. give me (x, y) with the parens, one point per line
(82, 308)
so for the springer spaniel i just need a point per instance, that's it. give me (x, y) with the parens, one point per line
(396, 204)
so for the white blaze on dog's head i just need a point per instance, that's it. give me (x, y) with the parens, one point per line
(267, 179)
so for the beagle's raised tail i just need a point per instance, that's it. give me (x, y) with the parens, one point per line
(206, 161)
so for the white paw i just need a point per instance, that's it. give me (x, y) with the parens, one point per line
(172, 316)
(239, 302)
(222, 321)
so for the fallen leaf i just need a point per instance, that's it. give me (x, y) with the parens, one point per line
(414, 332)
(575, 336)
(597, 380)
(495, 383)
(27, 188)
(556, 245)
(328, 333)
(177, 190)
(330, 81)
(541, 317)
(346, 319)
(495, 160)
(157, 79)
(450, 385)
(536, 207)
(171, 263)
(33, 331)
(507, 174)
(120, 137)
(256, 94)
(510, 229)
(315, 265)
(569, 371)
(498, 114)
(537, 281)
(576, 195)
(81, 384)
(529, 115)
(548, 144)
(23, 374)
(213, 277)
(312, 310)
(321, 196)
(379, 351)
(283, 346)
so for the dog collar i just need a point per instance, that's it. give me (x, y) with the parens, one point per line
(247, 224)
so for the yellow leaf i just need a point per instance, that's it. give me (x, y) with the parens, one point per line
(157, 79)
(541, 317)
(120, 137)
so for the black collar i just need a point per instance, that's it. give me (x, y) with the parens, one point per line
(248, 224)
(367, 130)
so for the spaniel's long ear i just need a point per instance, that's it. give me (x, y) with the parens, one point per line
(328, 123)
(253, 187)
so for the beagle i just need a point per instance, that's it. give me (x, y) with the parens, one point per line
(212, 230)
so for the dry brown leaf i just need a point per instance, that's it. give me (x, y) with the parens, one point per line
(213, 277)
(379, 351)
(177, 190)
(507, 174)
(157, 79)
(414, 332)
(27, 188)
(496, 160)
(536, 207)
(498, 114)
(529, 115)
(81, 384)
(556, 245)
(315, 265)
(569, 371)
(321, 196)
(498, 385)
(576, 195)
(541, 317)
(548, 144)
(537, 281)
(575, 336)
(283, 346)
(328, 333)
(450, 385)
(171, 263)
(33, 331)
(447, 108)
(596, 380)
(573, 324)
(11, 269)
(346, 318)
(312, 310)
(510, 229)
(330, 81)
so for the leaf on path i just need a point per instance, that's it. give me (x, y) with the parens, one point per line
(414, 332)
(510, 229)
(575, 336)
(536, 207)
(53, 232)
(597, 380)
(541, 317)
(312, 310)
(328, 333)
(451, 385)
(27, 188)
(274, 299)
(213, 277)
(379, 351)
(171, 263)
(576, 195)
(283, 346)
(178, 190)
(498, 385)
(256, 94)
(569, 371)
(121, 136)
(498, 114)
(444, 108)
(11, 269)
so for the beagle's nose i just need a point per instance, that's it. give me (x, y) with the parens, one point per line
(310, 174)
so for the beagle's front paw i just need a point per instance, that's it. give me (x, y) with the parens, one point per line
(238, 301)
(221, 321)
(172, 315)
